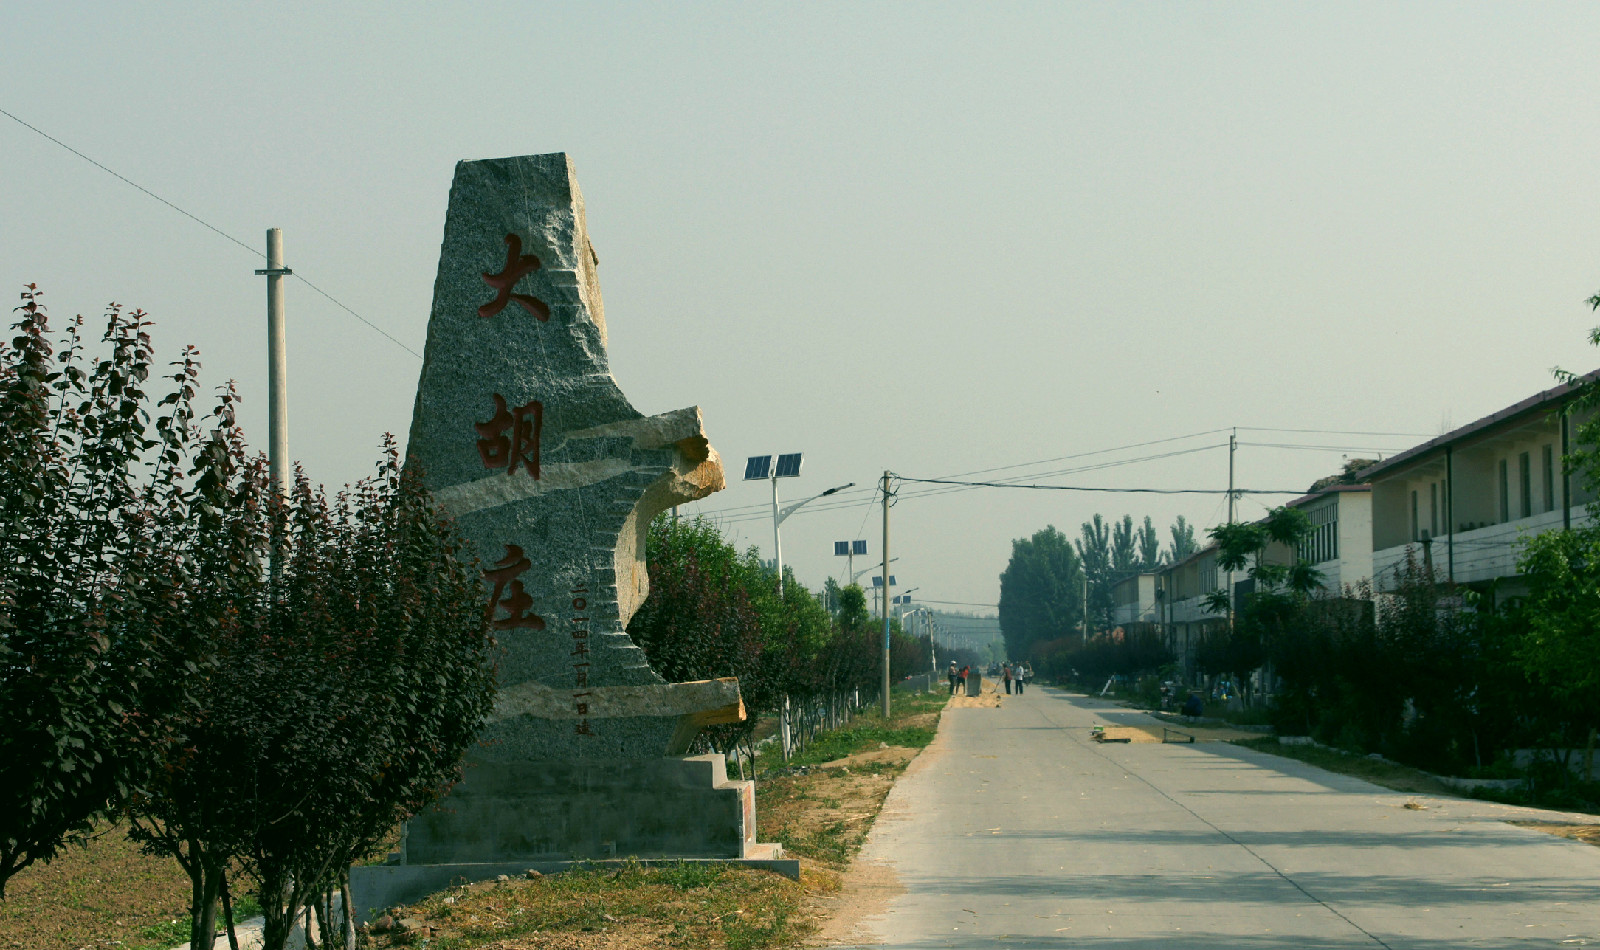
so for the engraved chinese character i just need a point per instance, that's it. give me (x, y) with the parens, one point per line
(510, 595)
(518, 266)
(583, 728)
(511, 437)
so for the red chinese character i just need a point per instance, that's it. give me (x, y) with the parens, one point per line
(511, 437)
(508, 593)
(518, 266)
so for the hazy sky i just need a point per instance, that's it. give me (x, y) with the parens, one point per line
(930, 238)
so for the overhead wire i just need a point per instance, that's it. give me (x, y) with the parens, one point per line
(205, 224)
(754, 512)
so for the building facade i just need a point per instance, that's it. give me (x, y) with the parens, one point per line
(1463, 502)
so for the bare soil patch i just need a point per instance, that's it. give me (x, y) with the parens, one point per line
(1588, 834)
(1178, 733)
(988, 698)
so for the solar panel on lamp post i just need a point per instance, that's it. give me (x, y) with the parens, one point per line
(758, 467)
(848, 550)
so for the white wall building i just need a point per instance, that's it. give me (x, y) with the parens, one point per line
(1134, 600)
(1466, 500)
(1340, 545)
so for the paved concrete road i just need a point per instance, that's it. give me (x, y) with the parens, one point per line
(1014, 830)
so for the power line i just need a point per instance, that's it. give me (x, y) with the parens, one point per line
(1398, 435)
(1118, 491)
(756, 512)
(205, 224)
(1322, 448)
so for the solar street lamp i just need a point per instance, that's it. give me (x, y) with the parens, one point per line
(849, 550)
(758, 467)
(856, 575)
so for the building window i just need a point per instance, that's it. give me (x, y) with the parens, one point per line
(1525, 484)
(1322, 544)
(1413, 516)
(1505, 491)
(1549, 479)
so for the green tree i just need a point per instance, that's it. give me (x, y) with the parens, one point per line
(350, 682)
(81, 521)
(1094, 548)
(1124, 548)
(1182, 544)
(1040, 591)
(1149, 545)
(1279, 590)
(1562, 609)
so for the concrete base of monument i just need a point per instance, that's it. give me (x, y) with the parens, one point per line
(510, 817)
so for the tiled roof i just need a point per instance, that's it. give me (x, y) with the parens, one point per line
(1325, 490)
(1536, 403)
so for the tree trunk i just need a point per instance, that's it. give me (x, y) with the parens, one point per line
(205, 882)
(349, 912)
(227, 916)
(785, 737)
(281, 903)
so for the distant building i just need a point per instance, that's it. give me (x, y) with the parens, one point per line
(1181, 590)
(1134, 600)
(1464, 500)
(1340, 543)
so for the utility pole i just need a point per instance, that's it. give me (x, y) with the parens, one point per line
(1086, 605)
(1233, 446)
(885, 595)
(277, 366)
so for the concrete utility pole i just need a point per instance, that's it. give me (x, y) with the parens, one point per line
(885, 595)
(277, 366)
(1233, 446)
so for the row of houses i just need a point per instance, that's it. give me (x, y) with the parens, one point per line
(1462, 502)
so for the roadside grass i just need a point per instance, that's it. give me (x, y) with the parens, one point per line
(913, 721)
(1382, 772)
(103, 894)
(820, 814)
(686, 905)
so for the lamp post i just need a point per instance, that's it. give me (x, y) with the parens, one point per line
(848, 550)
(759, 467)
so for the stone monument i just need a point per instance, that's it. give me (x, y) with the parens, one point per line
(526, 441)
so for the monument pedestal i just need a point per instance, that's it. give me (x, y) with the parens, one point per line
(509, 818)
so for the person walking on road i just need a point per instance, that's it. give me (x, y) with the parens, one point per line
(955, 674)
(1022, 677)
(1005, 674)
(964, 671)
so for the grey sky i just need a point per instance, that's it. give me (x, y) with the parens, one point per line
(928, 238)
